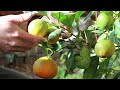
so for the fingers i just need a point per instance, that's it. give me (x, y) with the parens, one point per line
(13, 49)
(23, 39)
(17, 49)
(21, 17)
(6, 47)
(20, 44)
(30, 38)
(17, 45)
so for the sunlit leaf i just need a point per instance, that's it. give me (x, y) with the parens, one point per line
(44, 13)
(60, 73)
(57, 46)
(117, 27)
(78, 14)
(56, 15)
(65, 18)
(102, 37)
(54, 34)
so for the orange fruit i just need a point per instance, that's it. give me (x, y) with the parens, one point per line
(45, 67)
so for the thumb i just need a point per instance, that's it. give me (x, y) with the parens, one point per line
(21, 17)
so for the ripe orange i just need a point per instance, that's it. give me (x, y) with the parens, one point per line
(104, 48)
(45, 67)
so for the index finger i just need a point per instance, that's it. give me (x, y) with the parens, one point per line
(30, 38)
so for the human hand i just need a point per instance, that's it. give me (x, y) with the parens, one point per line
(12, 37)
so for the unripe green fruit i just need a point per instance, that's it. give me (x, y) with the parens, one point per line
(104, 21)
(104, 48)
(38, 27)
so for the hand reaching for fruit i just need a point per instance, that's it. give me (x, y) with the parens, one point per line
(12, 37)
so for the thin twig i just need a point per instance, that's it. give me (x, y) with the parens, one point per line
(96, 15)
(86, 39)
(73, 34)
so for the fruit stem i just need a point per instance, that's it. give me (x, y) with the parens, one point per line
(52, 52)
(96, 15)
(86, 39)
(107, 34)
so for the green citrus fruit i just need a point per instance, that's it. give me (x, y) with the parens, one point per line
(45, 67)
(104, 48)
(104, 21)
(107, 12)
(38, 27)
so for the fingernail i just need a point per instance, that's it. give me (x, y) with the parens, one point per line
(34, 13)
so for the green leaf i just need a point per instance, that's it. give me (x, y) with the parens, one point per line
(117, 27)
(73, 76)
(54, 34)
(85, 54)
(66, 19)
(79, 39)
(113, 37)
(57, 46)
(82, 61)
(116, 63)
(78, 14)
(45, 47)
(60, 74)
(52, 26)
(89, 73)
(98, 32)
(102, 37)
(69, 60)
(44, 13)
(116, 75)
(77, 62)
(103, 68)
(63, 58)
(56, 15)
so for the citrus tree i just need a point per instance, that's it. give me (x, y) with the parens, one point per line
(88, 53)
